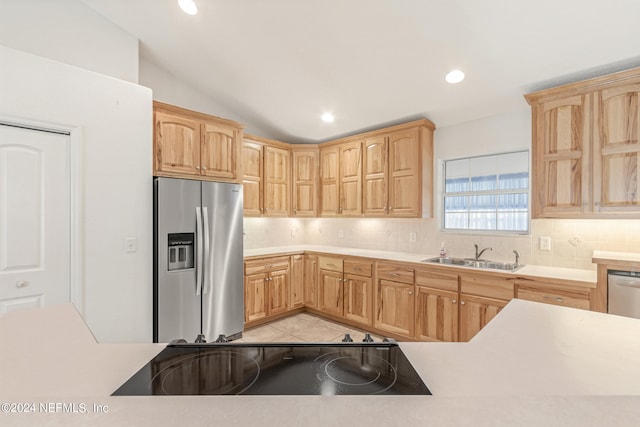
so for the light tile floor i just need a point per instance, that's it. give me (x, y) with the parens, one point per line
(303, 327)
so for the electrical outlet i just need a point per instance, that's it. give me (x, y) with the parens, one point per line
(412, 237)
(130, 244)
(341, 234)
(544, 243)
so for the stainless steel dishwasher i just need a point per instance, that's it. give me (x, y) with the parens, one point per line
(624, 293)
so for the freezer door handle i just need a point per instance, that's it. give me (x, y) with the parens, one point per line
(207, 251)
(199, 251)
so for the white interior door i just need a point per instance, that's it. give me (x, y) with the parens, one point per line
(34, 218)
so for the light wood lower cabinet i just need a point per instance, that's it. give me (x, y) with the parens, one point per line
(436, 315)
(296, 296)
(394, 308)
(345, 288)
(555, 296)
(475, 313)
(311, 281)
(266, 288)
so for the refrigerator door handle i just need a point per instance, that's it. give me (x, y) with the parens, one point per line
(199, 251)
(207, 252)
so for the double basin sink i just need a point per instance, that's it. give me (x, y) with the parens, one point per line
(466, 262)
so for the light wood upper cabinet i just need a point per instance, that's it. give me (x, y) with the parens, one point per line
(266, 177)
(586, 148)
(252, 178)
(305, 181)
(341, 180)
(176, 144)
(195, 145)
(617, 148)
(392, 174)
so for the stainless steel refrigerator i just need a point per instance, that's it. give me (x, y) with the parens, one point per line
(198, 260)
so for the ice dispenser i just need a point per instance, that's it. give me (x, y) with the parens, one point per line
(181, 251)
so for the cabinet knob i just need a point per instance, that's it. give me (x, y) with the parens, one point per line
(197, 168)
(454, 301)
(204, 169)
(22, 284)
(410, 292)
(461, 302)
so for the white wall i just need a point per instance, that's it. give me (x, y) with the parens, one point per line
(69, 31)
(113, 120)
(167, 88)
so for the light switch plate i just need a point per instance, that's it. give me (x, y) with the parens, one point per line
(412, 237)
(130, 244)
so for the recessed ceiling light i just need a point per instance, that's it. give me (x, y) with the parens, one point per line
(188, 7)
(328, 118)
(454, 76)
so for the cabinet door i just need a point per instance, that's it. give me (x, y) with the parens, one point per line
(255, 297)
(296, 285)
(351, 179)
(330, 292)
(278, 292)
(375, 177)
(276, 181)
(561, 157)
(219, 153)
(475, 313)
(252, 166)
(357, 298)
(404, 174)
(436, 315)
(311, 281)
(395, 308)
(305, 183)
(177, 144)
(617, 149)
(329, 179)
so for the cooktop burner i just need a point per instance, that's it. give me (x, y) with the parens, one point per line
(276, 369)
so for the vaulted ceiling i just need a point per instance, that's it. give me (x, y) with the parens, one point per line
(280, 64)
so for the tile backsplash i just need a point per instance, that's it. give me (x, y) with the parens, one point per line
(572, 241)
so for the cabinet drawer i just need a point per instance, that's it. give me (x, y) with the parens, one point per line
(266, 265)
(554, 296)
(487, 286)
(437, 279)
(395, 273)
(330, 263)
(361, 268)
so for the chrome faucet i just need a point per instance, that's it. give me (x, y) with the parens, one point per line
(479, 254)
(517, 258)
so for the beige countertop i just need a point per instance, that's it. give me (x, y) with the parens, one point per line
(603, 257)
(533, 364)
(535, 271)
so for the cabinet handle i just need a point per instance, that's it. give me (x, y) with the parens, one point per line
(204, 168)
(22, 284)
(197, 168)
(394, 274)
(454, 301)
(557, 299)
(410, 292)
(461, 302)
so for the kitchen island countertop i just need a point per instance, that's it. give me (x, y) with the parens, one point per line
(534, 364)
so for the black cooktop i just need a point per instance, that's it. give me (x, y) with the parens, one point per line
(276, 369)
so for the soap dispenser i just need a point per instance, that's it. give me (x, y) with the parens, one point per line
(443, 251)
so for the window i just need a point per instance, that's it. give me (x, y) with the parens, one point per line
(487, 193)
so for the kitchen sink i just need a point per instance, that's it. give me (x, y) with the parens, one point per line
(466, 262)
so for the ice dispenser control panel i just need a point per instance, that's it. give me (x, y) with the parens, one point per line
(181, 253)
